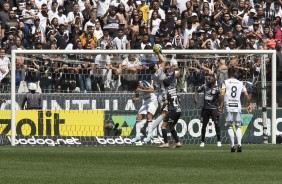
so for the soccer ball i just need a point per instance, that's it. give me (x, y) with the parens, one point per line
(157, 49)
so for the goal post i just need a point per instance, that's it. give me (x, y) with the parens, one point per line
(14, 53)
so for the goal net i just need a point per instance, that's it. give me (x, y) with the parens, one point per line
(86, 95)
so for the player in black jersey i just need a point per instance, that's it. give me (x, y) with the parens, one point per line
(171, 107)
(209, 109)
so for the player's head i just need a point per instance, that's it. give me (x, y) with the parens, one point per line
(32, 87)
(210, 80)
(166, 83)
(153, 68)
(231, 72)
(135, 84)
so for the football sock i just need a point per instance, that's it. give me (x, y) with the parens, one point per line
(156, 122)
(150, 129)
(239, 135)
(203, 131)
(139, 125)
(217, 130)
(231, 136)
(164, 132)
(145, 125)
(174, 135)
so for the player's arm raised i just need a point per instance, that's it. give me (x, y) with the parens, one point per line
(247, 96)
(149, 89)
(196, 96)
(221, 99)
(158, 51)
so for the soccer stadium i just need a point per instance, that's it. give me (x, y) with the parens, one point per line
(140, 91)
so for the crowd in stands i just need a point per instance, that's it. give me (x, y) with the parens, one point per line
(134, 24)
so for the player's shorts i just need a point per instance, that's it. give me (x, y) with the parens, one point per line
(150, 106)
(160, 94)
(206, 114)
(233, 117)
(172, 117)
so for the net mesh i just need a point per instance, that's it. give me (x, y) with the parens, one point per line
(74, 86)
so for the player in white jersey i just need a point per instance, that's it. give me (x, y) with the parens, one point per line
(148, 108)
(230, 94)
(158, 76)
(4, 64)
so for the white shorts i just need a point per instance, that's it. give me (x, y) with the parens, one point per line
(150, 106)
(233, 117)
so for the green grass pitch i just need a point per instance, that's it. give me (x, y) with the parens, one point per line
(146, 164)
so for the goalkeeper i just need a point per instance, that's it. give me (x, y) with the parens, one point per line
(209, 110)
(158, 76)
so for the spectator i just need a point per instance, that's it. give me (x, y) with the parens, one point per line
(90, 22)
(270, 42)
(4, 67)
(4, 17)
(28, 17)
(122, 15)
(9, 41)
(106, 40)
(156, 8)
(101, 69)
(121, 42)
(188, 33)
(67, 81)
(18, 44)
(98, 32)
(153, 26)
(145, 41)
(268, 11)
(11, 21)
(87, 11)
(112, 21)
(277, 9)
(39, 3)
(62, 18)
(248, 19)
(62, 37)
(75, 18)
(89, 39)
(135, 26)
(36, 29)
(51, 40)
(53, 10)
(45, 69)
(164, 33)
(145, 9)
(130, 65)
(102, 7)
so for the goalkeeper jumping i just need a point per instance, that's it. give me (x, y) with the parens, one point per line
(158, 76)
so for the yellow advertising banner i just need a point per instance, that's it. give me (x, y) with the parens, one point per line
(54, 122)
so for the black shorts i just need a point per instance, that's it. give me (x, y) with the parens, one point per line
(172, 117)
(206, 114)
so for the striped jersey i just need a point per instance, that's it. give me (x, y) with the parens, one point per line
(211, 96)
(233, 90)
(144, 85)
(173, 100)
